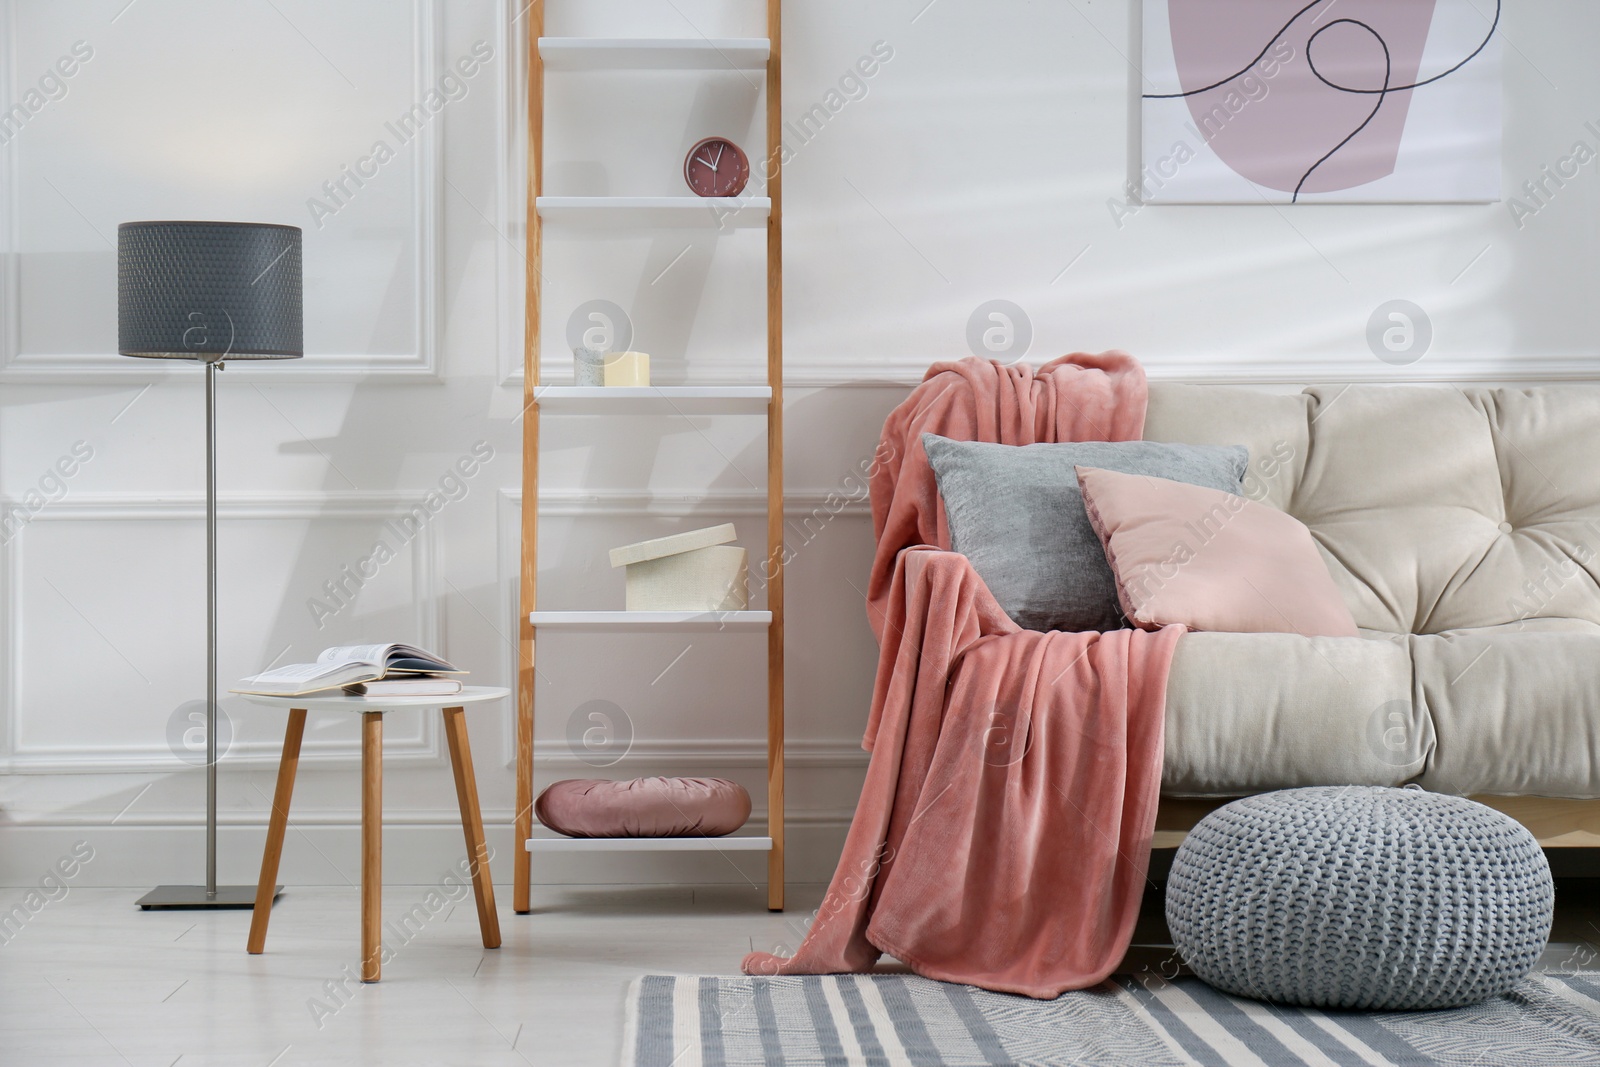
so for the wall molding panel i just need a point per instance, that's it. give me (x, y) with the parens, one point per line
(425, 217)
(413, 739)
(10, 331)
(511, 182)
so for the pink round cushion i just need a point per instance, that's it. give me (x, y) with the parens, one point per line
(644, 807)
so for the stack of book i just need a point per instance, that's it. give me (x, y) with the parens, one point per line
(360, 670)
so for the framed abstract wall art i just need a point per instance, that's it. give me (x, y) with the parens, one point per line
(1290, 102)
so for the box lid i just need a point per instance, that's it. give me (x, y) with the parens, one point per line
(671, 546)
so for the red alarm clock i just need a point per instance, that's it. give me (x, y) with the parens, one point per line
(716, 167)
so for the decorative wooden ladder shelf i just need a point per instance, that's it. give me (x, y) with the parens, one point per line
(568, 53)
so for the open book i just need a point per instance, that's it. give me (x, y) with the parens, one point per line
(416, 685)
(345, 665)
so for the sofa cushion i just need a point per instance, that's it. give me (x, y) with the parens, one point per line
(1209, 560)
(1437, 507)
(1462, 527)
(1274, 426)
(1516, 708)
(1252, 712)
(1016, 512)
(1509, 710)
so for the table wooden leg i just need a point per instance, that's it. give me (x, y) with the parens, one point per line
(371, 845)
(277, 826)
(455, 731)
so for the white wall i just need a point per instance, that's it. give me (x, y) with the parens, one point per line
(983, 161)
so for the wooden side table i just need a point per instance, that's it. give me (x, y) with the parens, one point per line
(371, 710)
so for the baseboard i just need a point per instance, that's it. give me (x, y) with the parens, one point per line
(139, 857)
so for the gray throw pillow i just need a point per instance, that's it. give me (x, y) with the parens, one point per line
(1016, 512)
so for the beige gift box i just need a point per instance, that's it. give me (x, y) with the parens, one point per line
(693, 571)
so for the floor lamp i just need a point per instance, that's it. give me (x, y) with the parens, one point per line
(208, 292)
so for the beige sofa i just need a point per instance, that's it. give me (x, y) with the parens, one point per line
(1463, 527)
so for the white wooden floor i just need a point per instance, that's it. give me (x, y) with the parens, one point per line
(92, 980)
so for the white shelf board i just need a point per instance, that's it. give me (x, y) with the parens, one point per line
(734, 843)
(650, 621)
(654, 399)
(654, 53)
(689, 212)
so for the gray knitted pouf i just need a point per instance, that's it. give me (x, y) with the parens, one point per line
(1360, 897)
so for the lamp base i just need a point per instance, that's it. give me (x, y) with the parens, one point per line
(176, 897)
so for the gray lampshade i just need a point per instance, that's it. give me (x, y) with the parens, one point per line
(209, 290)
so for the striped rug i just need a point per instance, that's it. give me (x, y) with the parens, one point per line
(897, 1021)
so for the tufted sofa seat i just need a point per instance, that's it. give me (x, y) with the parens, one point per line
(1462, 526)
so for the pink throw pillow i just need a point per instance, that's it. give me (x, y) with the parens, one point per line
(644, 807)
(1210, 560)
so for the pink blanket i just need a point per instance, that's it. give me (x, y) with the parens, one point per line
(1003, 832)
(1080, 397)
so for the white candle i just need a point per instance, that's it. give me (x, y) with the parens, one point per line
(628, 368)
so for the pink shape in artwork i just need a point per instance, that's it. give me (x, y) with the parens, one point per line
(1273, 123)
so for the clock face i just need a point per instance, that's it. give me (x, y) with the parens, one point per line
(716, 167)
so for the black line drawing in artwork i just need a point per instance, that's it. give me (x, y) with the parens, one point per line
(1382, 93)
